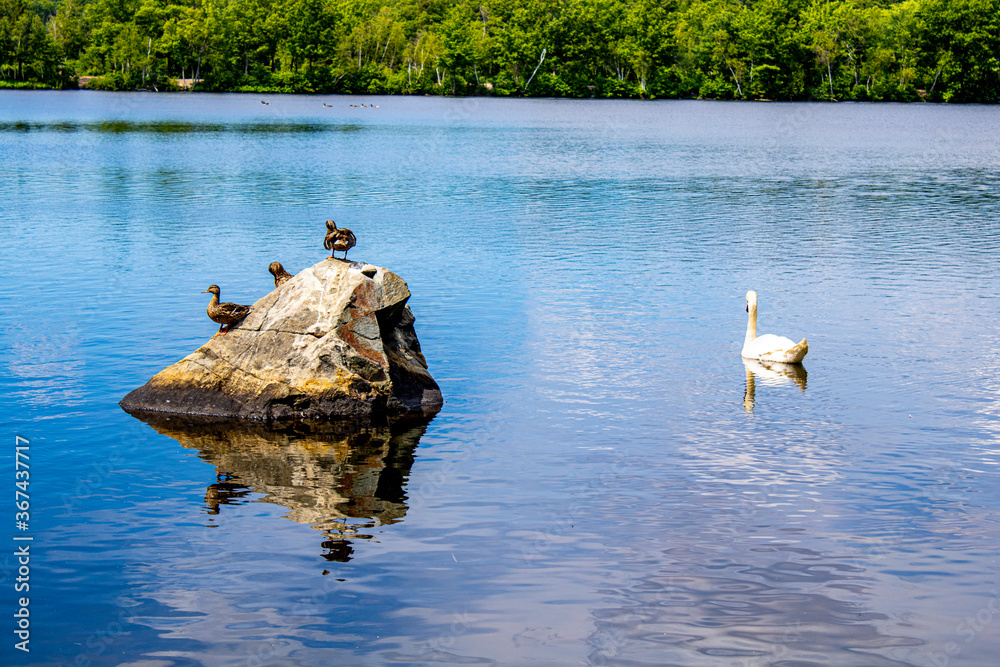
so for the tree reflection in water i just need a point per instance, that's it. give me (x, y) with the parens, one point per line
(343, 479)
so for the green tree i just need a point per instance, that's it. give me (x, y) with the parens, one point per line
(940, 50)
(961, 48)
(27, 52)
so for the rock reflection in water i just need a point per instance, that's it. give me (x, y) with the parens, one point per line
(771, 373)
(342, 479)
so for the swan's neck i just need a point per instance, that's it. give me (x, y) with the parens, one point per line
(751, 326)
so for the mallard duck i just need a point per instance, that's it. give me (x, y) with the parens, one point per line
(263, 102)
(279, 273)
(769, 347)
(338, 239)
(226, 314)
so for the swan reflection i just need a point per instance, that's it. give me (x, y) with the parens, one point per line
(772, 374)
(344, 480)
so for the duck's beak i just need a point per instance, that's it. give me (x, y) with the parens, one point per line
(204, 291)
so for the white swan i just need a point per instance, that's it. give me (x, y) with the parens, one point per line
(769, 347)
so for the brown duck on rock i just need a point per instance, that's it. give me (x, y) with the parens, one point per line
(226, 314)
(338, 239)
(280, 275)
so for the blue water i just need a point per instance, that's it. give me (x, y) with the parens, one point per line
(607, 483)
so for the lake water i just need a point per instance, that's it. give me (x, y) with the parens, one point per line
(607, 482)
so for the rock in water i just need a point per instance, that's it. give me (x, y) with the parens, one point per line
(336, 341)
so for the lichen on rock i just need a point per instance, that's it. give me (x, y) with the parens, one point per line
(335, 341)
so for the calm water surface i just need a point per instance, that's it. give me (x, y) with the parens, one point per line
(607, 482)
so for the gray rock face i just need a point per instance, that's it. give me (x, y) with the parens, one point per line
(335, 341)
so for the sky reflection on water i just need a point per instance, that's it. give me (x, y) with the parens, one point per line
(607, 483)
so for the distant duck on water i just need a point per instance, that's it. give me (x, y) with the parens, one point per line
(338, 239)
(280, 275)
(263, 102)
(226, 314)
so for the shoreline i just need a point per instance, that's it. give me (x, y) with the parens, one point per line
(32, 87)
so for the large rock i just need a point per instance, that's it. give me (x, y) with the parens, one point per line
(335, 341)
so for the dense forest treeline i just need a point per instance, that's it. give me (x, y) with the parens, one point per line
(936, 50)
